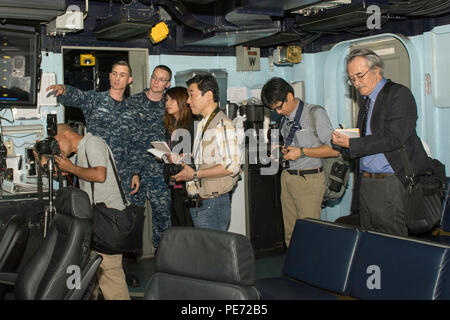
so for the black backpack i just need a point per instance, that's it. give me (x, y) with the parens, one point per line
(337, 170)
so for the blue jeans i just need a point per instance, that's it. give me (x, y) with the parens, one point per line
(214, 213)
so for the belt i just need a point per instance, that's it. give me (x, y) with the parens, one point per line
(303, 172)
(376, 175)
(213, 197)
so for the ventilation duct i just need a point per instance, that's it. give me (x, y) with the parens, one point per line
(37, 10)
(335, 20)
(126, 22)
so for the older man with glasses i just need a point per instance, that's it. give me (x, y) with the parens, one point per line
(387, 122)
(303, 183)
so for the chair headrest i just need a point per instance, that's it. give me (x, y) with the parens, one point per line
(73, 202)
(207, 254)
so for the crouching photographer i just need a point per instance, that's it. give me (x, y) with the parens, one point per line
(93, 163)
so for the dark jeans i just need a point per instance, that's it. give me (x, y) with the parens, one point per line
(382, 205)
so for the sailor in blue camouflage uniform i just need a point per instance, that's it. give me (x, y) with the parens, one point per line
(108, 117)
(149, 106)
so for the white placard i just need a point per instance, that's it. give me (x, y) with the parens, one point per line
(237, 94)
(47, 98)
(27, 113)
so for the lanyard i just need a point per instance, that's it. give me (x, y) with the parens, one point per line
(295, 124)
(211, 117)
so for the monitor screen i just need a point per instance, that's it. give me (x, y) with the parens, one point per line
(18, 66)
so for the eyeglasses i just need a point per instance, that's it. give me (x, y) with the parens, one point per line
(155, 78)
(280, 107)
(351, 81)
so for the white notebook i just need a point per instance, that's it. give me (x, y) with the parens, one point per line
(350, 132)
(160, 148)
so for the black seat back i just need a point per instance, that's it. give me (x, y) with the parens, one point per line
(64, 251)
(195, 263)
(12, 246)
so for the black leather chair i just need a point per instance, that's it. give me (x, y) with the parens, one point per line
(62, 267)
(195, 263)
(12, 246)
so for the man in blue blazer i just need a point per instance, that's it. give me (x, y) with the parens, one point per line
(387, 121)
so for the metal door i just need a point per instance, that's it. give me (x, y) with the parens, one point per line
(396, 66)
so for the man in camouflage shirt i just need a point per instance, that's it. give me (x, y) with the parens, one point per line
(108, 117)
(150, 109)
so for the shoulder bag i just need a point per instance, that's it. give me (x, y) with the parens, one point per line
(116, 231)
(423, 203)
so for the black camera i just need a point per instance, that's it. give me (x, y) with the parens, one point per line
(284, 164)
(170, 170)
(276, 153)
(49, 146)
(193, 201)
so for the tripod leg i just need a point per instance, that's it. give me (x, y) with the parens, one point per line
(45, 222)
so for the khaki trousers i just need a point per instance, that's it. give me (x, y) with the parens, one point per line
(301, 197)
(111, 278)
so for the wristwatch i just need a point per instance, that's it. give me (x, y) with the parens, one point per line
(302, 153)
(195, 176)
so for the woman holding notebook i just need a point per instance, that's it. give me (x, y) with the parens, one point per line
(179, 130)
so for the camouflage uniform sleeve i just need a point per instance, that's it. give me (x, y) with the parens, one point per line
(161, 131)
(77, 98)
(132, 131)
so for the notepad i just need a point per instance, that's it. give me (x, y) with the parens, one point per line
(161, 145)
(160, 148)
(350, 132)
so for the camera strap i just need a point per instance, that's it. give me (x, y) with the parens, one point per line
(115, 174)
(295, 124)
(211, 117)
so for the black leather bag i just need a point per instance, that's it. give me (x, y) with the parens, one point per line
(116, 231)
(424, 193)
(423, 206)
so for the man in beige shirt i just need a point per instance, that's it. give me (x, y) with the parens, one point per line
(216, 156)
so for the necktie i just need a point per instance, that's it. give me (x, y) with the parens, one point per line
(364, 119)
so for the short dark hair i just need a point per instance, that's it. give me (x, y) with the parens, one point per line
(275, 90)
(165, 68)
(205, 83)
(123, 63)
